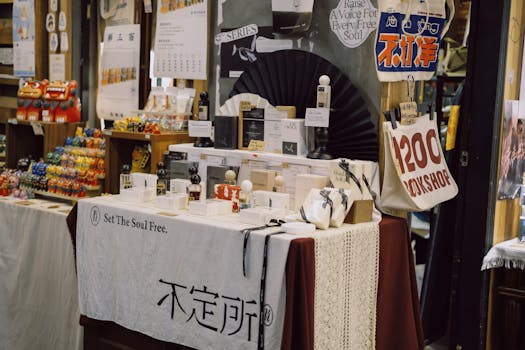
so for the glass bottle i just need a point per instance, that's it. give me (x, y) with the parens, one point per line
(194, 189)
(125, 177)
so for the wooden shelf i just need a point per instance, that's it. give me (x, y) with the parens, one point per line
(6, 69)
(8, 102)
(22, 142)
(6, 1)
(6, 81)
(6, 31)
(120, 144)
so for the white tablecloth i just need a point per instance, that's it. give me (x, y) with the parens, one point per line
(38, 285)
(179, 279)
(509, 254)
(121, 264)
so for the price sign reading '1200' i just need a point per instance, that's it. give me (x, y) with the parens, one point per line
(419, 162)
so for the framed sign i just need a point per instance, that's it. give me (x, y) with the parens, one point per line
(251, 125)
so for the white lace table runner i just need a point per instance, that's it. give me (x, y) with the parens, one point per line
(346, 277)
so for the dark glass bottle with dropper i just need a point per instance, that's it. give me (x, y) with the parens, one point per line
(194, 189)
(204, 115)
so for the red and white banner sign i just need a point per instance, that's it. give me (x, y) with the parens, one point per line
(416, 176)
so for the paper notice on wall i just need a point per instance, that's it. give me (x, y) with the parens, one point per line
(118, 83)
(24, 38)
(57, 67)
(6, 55)
(353, 21)
(181, 40)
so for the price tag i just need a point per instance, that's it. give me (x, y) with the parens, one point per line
(108, 132)
(408, 112)
(317, 117)
(37, 129)
(199, 128)
(13, 121)
(271, 113)
(61, 120)
(256, 146)
(245, 106)
(147, 136)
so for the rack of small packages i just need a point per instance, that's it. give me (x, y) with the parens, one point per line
(73, 171)
(260, 186)
(141, 138)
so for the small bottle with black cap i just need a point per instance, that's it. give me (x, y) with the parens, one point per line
(194, 189)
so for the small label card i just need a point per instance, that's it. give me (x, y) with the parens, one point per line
(408, 112)
(199, 128)
(256, 146)
(317, 117)
(37, 128)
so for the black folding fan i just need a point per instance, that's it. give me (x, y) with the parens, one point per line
(290, 78)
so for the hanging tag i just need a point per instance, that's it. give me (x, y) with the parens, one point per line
(50, 22)
(62, 22)
(53, 5)
(53, 42)
(147, 6)
(64, 43)
(37, 129)
(408, 112)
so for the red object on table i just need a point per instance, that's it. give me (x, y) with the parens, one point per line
(398, 313)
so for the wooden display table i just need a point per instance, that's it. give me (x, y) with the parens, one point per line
(22, 141)
(120, 144)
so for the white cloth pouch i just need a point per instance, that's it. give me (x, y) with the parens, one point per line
(317, 208)
(343, 200)
(408, 37)
(416, 176)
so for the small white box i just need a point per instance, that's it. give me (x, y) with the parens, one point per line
(133, 195)
(176, 201)
(272, 136)
(210, 207)
(271, 199)
(179, 185)
(293, 133)
(260, 215)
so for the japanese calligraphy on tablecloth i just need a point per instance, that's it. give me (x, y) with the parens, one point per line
(178, 279)
(181, 40)
(416, 174)
(118, 91)
(408, 38)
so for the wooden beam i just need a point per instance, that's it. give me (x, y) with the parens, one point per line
(8, 102)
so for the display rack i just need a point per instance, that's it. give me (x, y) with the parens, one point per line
(22, 140)
(120, 144)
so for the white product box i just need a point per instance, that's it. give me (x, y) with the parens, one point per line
(210, 207)
(304, 183)
(276, 199)
(179, 185)
(260, 215)
(293, 133)
(272, 136)
(176, 201)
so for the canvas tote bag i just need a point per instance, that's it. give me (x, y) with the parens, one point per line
(416, 176)
(408, 37)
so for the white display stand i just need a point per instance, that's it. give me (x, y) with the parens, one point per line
(212, 156)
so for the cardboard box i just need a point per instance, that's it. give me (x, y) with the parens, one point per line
(262, 179)
(360, 212)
